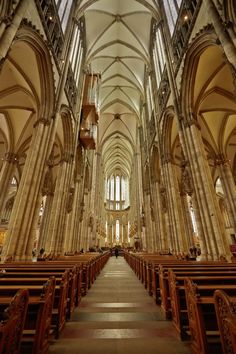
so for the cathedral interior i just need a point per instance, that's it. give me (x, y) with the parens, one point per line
(118, 130)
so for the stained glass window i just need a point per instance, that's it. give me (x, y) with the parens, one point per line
(117, 230)
(171, 9)
(64, 7)
(117, 192)
(159, 56)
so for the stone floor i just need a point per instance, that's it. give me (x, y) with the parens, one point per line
(117, 316)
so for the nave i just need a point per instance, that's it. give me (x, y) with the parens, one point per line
(118, 316)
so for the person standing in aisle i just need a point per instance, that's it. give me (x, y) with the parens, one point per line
(116, 252)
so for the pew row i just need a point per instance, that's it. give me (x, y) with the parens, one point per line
(12, 323)
(37, 324)
(205, 335)
(226, 318)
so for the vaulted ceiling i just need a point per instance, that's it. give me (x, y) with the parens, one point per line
(117, 44)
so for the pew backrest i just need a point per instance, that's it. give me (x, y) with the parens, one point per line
(43, 325)
(12, 324)
(225, 309)
(196, 324)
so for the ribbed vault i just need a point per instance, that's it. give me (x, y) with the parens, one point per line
(117, 44)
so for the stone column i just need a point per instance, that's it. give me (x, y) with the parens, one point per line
(81, 220)
(139, 196)
(19, 240)
(125, 234)
(156, 215)
(188, 227)
(85, 224)
(9, 32)
(56, 227)
(6, 175)
(161, 221)
(222, 32)
(69, 224)
(110, 233)
(228, 184)
(210, 215)
(174, 205)
(45, 222)
(186, 189)
(166, 235)
(95, 192)
(148, 223)
(203, 241)
(153, 224)
(73, 221)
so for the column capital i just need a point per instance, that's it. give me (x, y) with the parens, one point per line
(67, 157)
(11, 157)
(166, 158)
(2, 61)
(7, 19)
(192, 122)
(221, 160)
(42, 120)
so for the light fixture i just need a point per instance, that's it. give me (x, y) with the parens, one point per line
(186, 18)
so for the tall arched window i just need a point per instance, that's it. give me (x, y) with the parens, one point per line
(128, 231)
(171, 9)
(107, 189)
(64, 7)
(192, 214)
(117, 192)
(158, 56)
(123, 194)
(118, 187)
(218, 187)
(76, 54)
(112, 188)
(117, 230)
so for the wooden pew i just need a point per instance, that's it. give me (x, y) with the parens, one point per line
(28, 271)
(205, 336)
(37, 325)
(37, 329)
(231, 323)
(178, 297)
(12, 323)
(88, 265)
(12, 272)
(61, 301)
(226, 319)
(164, 279)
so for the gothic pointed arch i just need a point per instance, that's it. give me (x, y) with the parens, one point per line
(68, 132)
(155, 164)
(203, 40)
(167, 125)
(28, 36)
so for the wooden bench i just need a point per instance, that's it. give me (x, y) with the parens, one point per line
(205, 336)
(16, 275)
(163, 292)
(12, 323)
(34, 285)
(29, 271)
(231, 323)
(226, 319)
(37, 324)
(37, 329)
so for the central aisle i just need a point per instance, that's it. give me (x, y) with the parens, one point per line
(117, 316)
